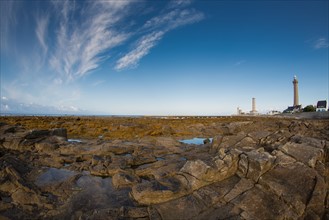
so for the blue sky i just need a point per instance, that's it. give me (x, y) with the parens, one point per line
(162, 57)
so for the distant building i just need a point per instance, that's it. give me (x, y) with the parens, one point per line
(240, 112)
(293, 109)
(296, 96)
(321, 106)
(296, 106)
(253, 107)
(274, 112)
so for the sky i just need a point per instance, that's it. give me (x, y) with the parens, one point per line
(161, 57)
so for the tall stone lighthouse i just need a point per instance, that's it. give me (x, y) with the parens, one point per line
(296, 98)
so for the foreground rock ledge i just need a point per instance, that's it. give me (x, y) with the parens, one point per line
(251, 170)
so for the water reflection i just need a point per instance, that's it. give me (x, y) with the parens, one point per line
(98, 192)
(74, 140)
(53, 176)
(197, 141)
(91, 192)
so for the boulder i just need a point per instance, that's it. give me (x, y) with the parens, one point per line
(275, 140)
(303, 153)
(254, 164)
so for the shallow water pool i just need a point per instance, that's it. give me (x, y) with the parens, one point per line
(74, 140)
(196, 141)
(54, 175)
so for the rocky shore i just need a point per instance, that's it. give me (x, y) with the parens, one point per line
(139, 168)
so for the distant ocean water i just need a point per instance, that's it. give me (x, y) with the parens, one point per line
(67, 115)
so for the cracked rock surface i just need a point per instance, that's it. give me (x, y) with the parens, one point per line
(254, 168)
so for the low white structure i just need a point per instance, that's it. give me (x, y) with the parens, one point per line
(321, 106)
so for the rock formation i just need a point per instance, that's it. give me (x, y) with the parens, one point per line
(254, 169)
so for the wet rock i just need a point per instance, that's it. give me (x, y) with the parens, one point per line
(285, 181)
(217, 140)
(153, 213)
(122, 180)
(315, 203)
(254, 164)
(231, 140)
(154, 192)
(282, 158)
(242, 186)
(196, 168)
(59, 132)
(303, 152)
(259, 135)
(117, 148)
(143, 155)
(275, 140)
(258, 169)
(134, 212)
(246, 144)
(183, 208)
(167, 130)
(37, 134)
(197, 174)
(259, 203)
(215, 192)
(101, 160)
(45, 147)
(220, 211)
(25, 197)
(236, 127)
(206, 141)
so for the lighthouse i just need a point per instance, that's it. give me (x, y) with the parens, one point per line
(296, 107)
(296, 98)
(253, 107)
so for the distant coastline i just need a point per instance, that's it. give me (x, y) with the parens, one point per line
(300, 115)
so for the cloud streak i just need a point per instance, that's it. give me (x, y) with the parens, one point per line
(80, 47)
(158, 26)
(41, 32)
(143, 47)
(86, 33)
(321, 43)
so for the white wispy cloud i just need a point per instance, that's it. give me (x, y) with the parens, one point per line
(8, 23)
(143, 48)
(179, 3)
(174, 19)
(41, 31)
(158, 26)
(240, 62)
(99, 82)
(85, 34)
(321, 43)
(80, 47)
(74, 38)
